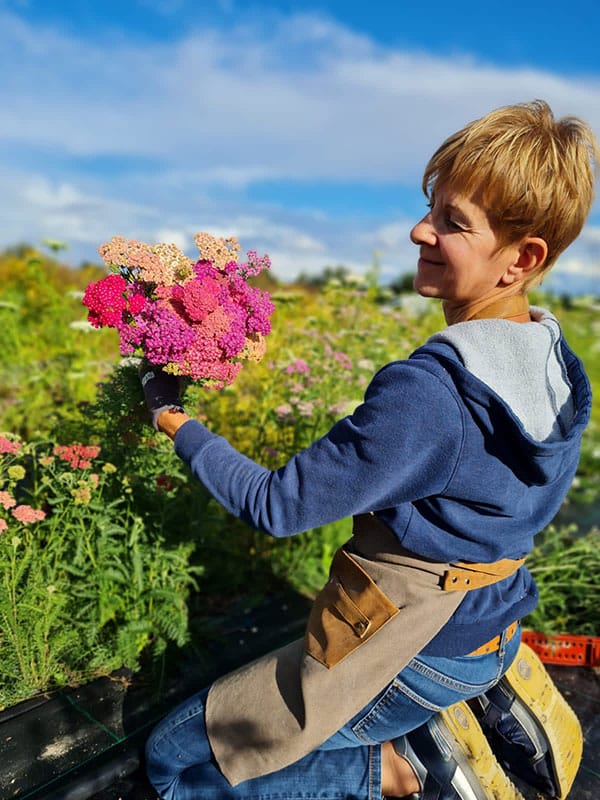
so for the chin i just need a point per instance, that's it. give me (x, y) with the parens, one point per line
(424, 285)
(425, 290)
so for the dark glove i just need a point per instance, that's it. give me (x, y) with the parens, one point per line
(161, 391)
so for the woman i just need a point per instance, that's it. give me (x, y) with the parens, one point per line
(457, 457)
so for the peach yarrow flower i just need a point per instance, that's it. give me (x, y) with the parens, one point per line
(26, 514)
(7, 500)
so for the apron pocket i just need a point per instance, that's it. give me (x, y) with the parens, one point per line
(347, 611)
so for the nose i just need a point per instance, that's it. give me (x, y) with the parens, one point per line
(423, 232)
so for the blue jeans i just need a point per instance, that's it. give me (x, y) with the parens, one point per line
(181, 766)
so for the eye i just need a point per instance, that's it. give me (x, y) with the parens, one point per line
(451, 224)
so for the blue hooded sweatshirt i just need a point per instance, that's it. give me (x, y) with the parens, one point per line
(465, 450)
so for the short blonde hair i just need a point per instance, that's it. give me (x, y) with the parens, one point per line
(533, 175)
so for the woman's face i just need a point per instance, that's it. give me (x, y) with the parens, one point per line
(460, 258)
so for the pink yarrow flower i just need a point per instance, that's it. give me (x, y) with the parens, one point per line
(298, 365)
(200, 297)
(78, 456)
(9, 447)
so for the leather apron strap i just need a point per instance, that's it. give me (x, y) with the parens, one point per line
(464, 577)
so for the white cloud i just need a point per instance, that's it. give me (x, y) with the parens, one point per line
(224, 99)
(590, 237)
(149, 140)
(578, 266)
(173, 236)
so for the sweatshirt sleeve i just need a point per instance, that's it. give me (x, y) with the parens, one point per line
(401, 444)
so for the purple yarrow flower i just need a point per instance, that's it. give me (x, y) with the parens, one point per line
(255, 264)
(164, 336)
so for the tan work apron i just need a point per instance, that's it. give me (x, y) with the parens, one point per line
(380, 607)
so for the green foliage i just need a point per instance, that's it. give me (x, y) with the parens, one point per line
(87, 584)
(566, 567)
(103, 579)
(51, 358)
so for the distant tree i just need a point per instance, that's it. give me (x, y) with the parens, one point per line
(266, 281)
(20, 250)
(403, 283)
(320, 279)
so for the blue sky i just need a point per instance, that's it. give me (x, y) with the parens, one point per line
(301, 127)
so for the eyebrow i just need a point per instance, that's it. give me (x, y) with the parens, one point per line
(459, 212)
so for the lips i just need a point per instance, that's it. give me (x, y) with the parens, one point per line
(425, 262)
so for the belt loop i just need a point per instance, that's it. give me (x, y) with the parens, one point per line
(502, 648)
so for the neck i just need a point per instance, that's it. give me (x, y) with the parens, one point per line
(503, 305)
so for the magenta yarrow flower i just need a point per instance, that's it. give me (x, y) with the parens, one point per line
(136, 303)
(255, 263)
(106, 301)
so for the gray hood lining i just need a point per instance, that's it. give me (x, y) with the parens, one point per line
(523, 364)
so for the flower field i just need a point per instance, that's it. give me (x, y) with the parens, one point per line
(104, 539)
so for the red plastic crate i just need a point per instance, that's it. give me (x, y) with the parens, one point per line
(567, 649)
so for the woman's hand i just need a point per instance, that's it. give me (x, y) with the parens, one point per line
(161, 393)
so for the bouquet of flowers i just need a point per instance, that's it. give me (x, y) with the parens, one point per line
(197, 319)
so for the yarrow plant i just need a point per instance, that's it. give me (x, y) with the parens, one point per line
(88, 580)
(196, 319)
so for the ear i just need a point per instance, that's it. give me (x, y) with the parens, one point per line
(531, 256)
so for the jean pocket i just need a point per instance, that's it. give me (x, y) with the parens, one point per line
(439, 682)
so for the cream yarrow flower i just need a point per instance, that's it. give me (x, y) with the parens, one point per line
(219, 251)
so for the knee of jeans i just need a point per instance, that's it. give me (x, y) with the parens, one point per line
(163, 770)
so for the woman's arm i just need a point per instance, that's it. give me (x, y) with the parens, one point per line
(401, 444)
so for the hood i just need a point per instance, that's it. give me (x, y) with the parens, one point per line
(523, 385)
